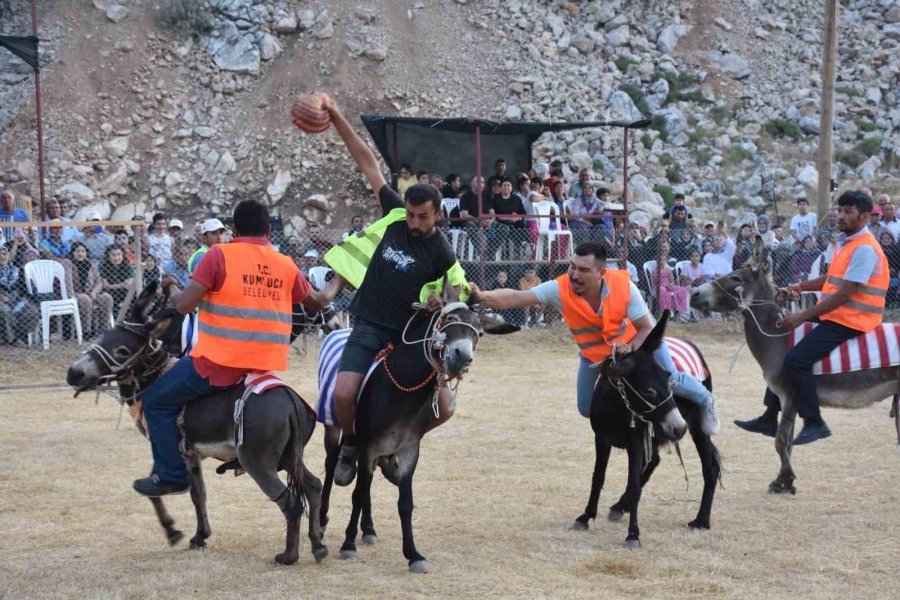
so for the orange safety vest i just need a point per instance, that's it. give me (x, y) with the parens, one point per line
(247, 324)
(864, 309)
(595, 334)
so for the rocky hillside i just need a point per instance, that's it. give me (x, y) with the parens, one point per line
(183, 105)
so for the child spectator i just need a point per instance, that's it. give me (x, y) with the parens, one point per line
(406, 179)
(159, 242)
(534, 316)
(117, 276)
(671, 295)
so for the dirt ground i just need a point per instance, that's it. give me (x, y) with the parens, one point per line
(495, 492)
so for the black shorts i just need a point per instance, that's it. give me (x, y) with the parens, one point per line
(365, 341)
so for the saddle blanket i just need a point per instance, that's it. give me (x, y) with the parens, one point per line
(260, 383)
(687, 358)
(873, 350)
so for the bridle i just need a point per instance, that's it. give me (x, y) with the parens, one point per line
(745, 306)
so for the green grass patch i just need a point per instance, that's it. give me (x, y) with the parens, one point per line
(703, 157)
(721, 115)
(647, 140)
(851, 158)
(681, 86)
(637, 96)
(847, 90)
(659, 124)
(623, 62)
(192, 18)
(782, 128)
(699, 134)
(674, 173)
(666, 159)
(736, 155)
(865, 125)
(869, 146)
(667, 193)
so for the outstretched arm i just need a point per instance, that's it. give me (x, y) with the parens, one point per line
(503, 298)
(362, 156)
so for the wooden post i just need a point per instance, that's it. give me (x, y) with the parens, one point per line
(826, 125)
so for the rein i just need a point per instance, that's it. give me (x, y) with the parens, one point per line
(743, 305)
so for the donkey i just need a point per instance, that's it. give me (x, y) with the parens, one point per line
(396, 405)
(633, 408)
(749, 290)
(276, 427)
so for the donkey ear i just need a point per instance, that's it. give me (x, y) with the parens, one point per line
(160, 325)
(656, 336)
(494, 326)
(759, 260)
(143, 303)
(450, 294)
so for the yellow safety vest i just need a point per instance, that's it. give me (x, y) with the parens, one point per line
(351, 258)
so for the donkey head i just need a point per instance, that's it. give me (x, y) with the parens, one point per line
(644, 386)
(122, 351)
(732, 292)
(303, 319)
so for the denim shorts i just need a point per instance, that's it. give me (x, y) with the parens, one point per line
(365, 341)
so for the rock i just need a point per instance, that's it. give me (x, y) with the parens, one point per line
(26, 169)
(618, 37)
(306, 19)
(226, 164)
(723, 24)
(581, 160)
(269, 47)
(873, 95)
(116, 147)
(669, 36)
(807, 175)
(279, 185)
(173, 179)
(674, 120)
(115, 180)
(731, 64)
(102, 4)
(230, 50)
(621, 107)
(513, 113)
(77, 192)
(809, 125)
(866, 171)
(583, 43)
(376, 53)
(323, 26)
(642, 218)
(205, 132)
(318, 201)
(286, 25)
(750, 187)
(126, 212)
(116, 13)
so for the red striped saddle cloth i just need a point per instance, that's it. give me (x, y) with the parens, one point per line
(687, 358)
(873, 350)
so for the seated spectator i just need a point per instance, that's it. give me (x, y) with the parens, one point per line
(307, 261)
(534, 316)
(803, 259)
(577, 188)
(766, 234)
(585, 205)
(743, 246)
(875, 226)
(53, 247)
(889, 219)
(451, 187)
(83, 281)
(558, 197)
(556, 175)
(55, 213)
(151, 271)
(117, 275)
(121, 238)
(95, 239)
(437, 181)
(510, 315)
(9, 213)
(406, 179)
(669, 295)
(499, 175)
(682, 243)
(892, 252)
(159, 242)
(719, 260)
(510, 220)
(423, 177)
(177, 268)
(18, 315)
(356, 226)
(317, 241)
(694, 274)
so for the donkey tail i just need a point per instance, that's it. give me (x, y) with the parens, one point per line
(717, 460)
(295, 469)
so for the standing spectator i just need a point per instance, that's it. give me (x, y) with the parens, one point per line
(317, 239)
(525, 195)
(53, 247)
(892, 253)
(830, 225)
(212, 232)
(678, 217)
(17, 314)
(804, 223)
(10, 213)
(875, 226)
(509, 223)
(576, 189)
(151, 271)
(176, 232)
(671, 295)
(356, 226)
(95, 239)
(54, 213)
(306, 262)
(406, 179)
(177, 268)
(451, 186)
(677, 202)
(499, 173)
(117, 276)
(469, 208)
(743, 246)
(534, 315)
(802, 260)
(159, 243)
(83, 281)
(556, 176)
(766, 234)
(889, 219)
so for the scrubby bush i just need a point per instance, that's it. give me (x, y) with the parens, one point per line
(634, 92)
(187, 17)
(667, 193)
(736, 155)
(782, 128)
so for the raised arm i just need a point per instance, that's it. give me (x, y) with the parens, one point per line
(503, 298)
(362, 156)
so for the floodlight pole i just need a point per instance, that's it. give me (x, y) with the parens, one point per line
(826, 123)
(37, 104)
(623, 250)
(480, 204)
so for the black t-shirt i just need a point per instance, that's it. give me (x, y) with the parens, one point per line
(401, 265)
(469, 202)
(508, 206)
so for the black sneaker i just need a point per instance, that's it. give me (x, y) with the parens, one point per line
(763, 424)
(345, 470)
(813, 429)
(154, 487)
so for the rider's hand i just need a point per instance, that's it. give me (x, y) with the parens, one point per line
(621, 350)
(791, 321)
(791, 292)
(474, 292)
(434, 303)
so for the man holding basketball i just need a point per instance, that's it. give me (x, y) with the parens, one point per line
(411, 254)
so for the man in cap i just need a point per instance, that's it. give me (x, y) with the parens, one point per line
(95, 239)
(9, 212)
(176, 228)
(212, 232)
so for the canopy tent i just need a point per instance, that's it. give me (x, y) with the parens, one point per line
(444, 146)
(25, 47)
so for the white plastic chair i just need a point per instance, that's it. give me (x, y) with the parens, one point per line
(449, 204)
(318, 277)
(632, 270)
(649, 267)
(39, 278)
(546, 208)
(681, 264)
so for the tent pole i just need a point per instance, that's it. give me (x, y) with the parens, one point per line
(624, 251)
(480, 204)
(37, 103)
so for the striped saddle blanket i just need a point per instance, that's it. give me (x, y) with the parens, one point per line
(685, 355)
(873, 350)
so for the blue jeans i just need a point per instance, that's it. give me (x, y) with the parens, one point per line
(162, 402)
(683, 384)
(800, 359)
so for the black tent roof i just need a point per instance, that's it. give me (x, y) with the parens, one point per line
(444, 145)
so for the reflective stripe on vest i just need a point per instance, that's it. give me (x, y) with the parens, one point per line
(864, 309)
(247, 323)
(351, 258)
(595, 334)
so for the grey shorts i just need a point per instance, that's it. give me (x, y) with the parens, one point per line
(365, 341)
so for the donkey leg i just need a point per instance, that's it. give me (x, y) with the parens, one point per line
(173, 536)
(621, 508)
(784, 440)
(312, 489)
(417, 563)
(263, 469)
(360, 492)
(709, 460)
(332, 448)
(601, 459)
(198, 497)
(633, 491)
(369, 536)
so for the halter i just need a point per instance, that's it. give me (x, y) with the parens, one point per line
(743, 305)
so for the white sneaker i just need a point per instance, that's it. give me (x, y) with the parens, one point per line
(710, 418)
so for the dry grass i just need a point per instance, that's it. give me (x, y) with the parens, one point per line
(495, 492)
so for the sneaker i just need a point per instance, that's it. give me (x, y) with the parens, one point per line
(710, 422)
(763, 424)
(345, 471)
(814, 428)
(154, 487)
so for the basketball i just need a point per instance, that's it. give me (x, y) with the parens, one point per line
(309, 115)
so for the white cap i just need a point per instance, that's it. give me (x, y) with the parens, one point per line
(176, 223)
(93, 216)
(312, 253)
(211, 225)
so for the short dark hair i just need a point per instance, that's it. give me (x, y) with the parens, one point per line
(601, 191)
(422, 172)
(406, 166)
(498, 161)
(679, 209)
(537, 180)
(679, 196)
(747, 225)
(451, 177)
(799, 200)
(157, 217)
(522, 180)
(591, 248)
(861, 200)
(251, 218)
(419, 194)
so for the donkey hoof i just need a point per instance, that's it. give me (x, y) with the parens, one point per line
(615, 515)
(174, 537)
(698, 525)
(348, 554)
(778, 487)
(418, 566)
(320, 553)
(286, 558)
(198, 544)
(633, 544)
(579, 526)
(370, 539)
